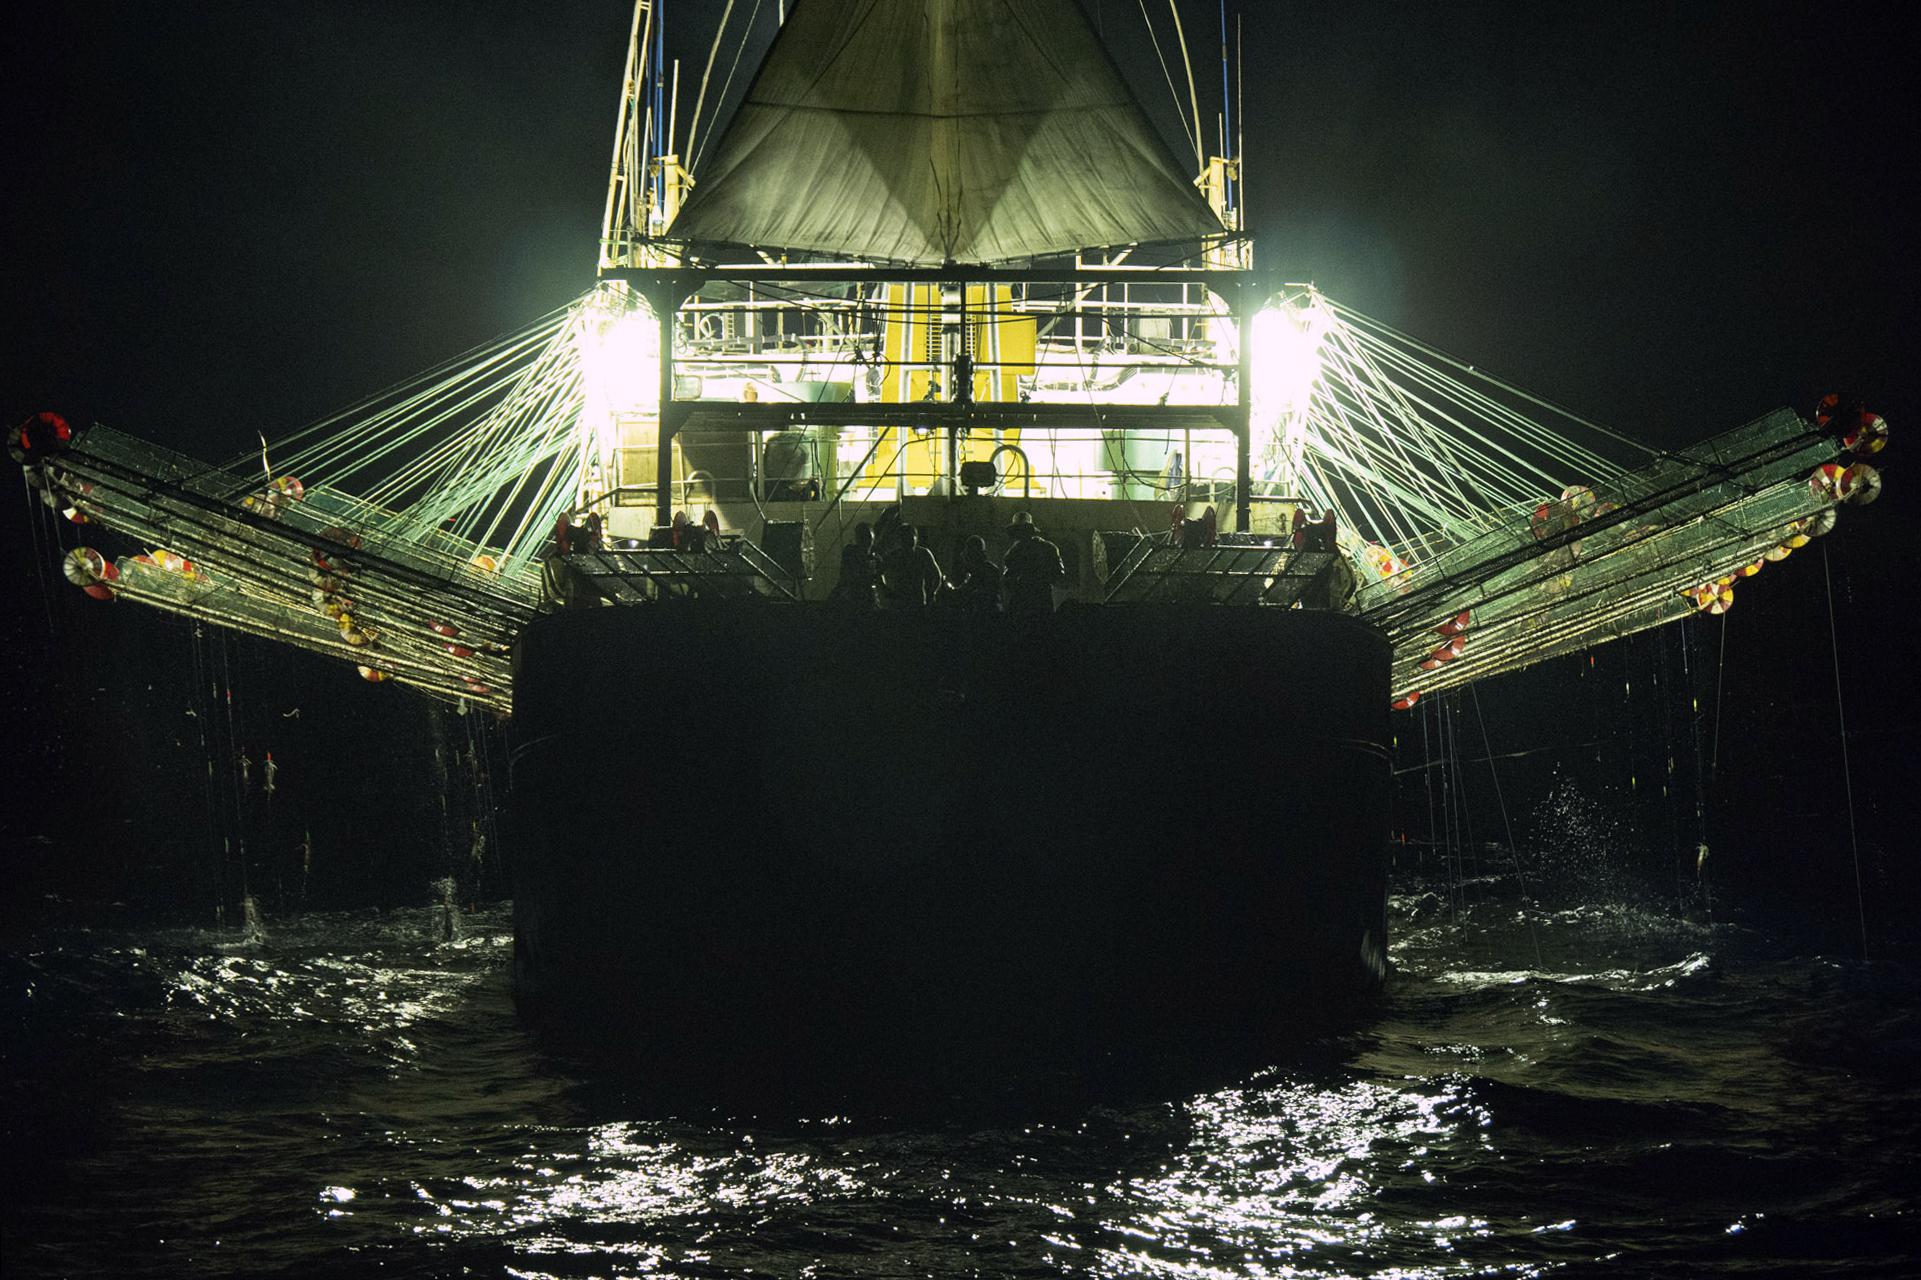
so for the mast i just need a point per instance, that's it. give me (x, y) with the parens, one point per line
(623, 217)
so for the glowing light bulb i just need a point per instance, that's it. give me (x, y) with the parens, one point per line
(620, 359)
(1286, 354)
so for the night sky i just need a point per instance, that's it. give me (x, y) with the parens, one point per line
(1670, 217)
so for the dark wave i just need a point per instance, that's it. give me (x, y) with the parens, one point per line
(1593, 1090)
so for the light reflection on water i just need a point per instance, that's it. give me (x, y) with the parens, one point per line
(349, 1092)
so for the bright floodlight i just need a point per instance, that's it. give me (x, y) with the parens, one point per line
(620, 358)
(1286, 338)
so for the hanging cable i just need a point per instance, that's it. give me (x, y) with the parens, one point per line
(37, 534)
(1847, 777)
(1720, 679)
(1514, 850)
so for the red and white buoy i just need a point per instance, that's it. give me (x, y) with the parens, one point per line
(1825, 483)
(1860, 484)
(92, 572)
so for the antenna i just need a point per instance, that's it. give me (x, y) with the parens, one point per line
(1240, 122)
(1227, 109)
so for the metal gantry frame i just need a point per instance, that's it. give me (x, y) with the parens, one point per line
(666, 290)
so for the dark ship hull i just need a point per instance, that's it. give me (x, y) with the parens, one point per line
(797, 841)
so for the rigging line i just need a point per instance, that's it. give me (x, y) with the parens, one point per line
(1453, 800)
(1354, 358)
(520, 419)
(1227, 107)
(726, 84)
(1689, 638)
(1467, 810)
(398, 423)
(713, 51)
(1720, 677)
(39, 553)
(1390, 504)
(1369, 414)
(543, 508)
(467, 444)
(1514, 850)
(443, 370)
(630, 86)
(536, 410)
(1348, 313)
(1847, 778)
(1193, 94)
(1497, 417)
(1497, 414)
(233, 764)
(1337, 377)
(1427, 772)
(202, 712)
(1426, 439)
(1188, 132)
(1666, 681)
(1502, 484)
(1523, 753)
(340, 459)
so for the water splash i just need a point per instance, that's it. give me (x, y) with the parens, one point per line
(252, 932)
(447, 917)
(1582, 850)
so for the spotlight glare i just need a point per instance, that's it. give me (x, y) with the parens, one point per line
(620, 359)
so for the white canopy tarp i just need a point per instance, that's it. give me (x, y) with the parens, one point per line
(933, 131)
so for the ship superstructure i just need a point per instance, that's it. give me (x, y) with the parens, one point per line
(943, 266)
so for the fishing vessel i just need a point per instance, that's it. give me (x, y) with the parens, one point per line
(940, 272)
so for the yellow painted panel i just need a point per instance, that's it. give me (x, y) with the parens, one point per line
(1002, 342)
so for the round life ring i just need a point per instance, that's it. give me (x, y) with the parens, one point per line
(1825, 483)
(1860, 484)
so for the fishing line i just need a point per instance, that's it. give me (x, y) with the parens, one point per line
(1720, 678)
(39, 550)
(1514, 850)
(1847, 777)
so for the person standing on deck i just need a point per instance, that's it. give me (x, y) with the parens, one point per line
(910, 577)
(977, 589)
(1033, 567)
(859, 569)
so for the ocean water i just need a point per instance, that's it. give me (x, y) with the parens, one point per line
(1602, 1090)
